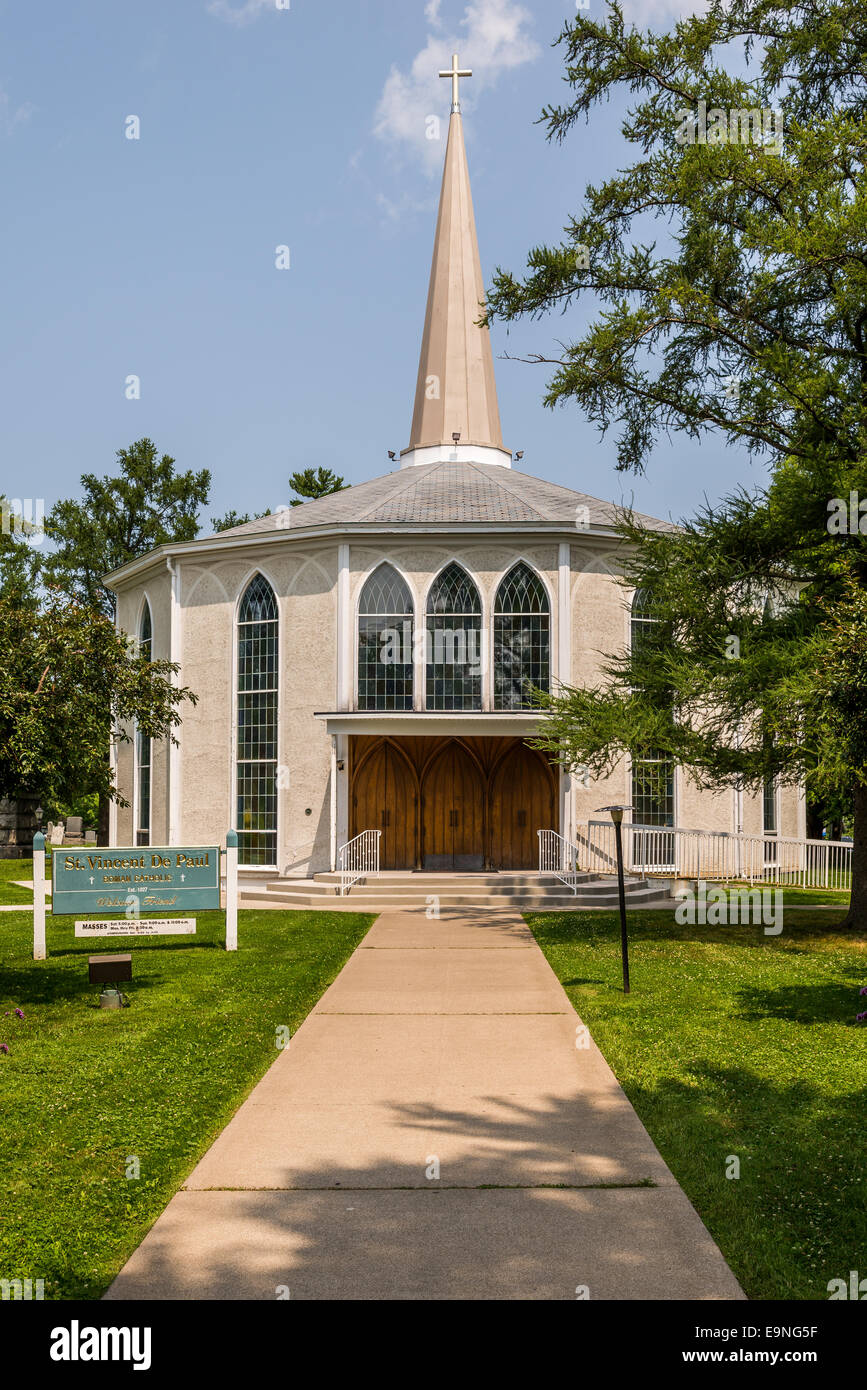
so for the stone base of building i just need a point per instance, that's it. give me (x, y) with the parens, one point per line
(18, 825)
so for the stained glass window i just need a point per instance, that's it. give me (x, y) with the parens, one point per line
(653, 772)
(256, 793)
(522, 638)
(653, 789)
(454, 642)
(385, 637)
(143, 744)
(770, 819)
(645, 625)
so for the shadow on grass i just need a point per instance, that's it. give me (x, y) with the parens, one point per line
(28, 987)
(110, 945)
(820, 1003)
(562, 929)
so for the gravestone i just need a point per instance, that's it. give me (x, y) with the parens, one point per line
(74, 830)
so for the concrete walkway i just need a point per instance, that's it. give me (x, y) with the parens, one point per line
(443, 1047)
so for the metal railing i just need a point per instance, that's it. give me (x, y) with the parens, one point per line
(560, 857)
(673, 851)
(358, 857)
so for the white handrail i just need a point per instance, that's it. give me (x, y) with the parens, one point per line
(674, 851)
(558, 856)
(358, 857)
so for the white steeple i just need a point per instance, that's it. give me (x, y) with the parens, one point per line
(456, 393)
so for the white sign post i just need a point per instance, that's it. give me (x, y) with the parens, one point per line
(39, 952)
(173, 927)
(231, 890)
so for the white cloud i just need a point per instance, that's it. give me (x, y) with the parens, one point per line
(492, 38)
(644, 13)
(13, 116)
(250, 10)
(395, 209)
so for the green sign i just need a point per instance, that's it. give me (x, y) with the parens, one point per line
(135, 881)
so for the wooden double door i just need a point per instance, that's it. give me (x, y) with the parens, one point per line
(453, 805)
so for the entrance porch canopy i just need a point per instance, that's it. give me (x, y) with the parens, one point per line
(433, 723)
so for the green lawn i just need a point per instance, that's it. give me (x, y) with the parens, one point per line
(807, 897)
(736, 1043)
(85, 1089)
(11, 869)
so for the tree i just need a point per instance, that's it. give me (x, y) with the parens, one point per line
(750, 321)
(309, 484)
(20, 561)
(233, 518)
(743, 674)
(68, 680)
(146, 505)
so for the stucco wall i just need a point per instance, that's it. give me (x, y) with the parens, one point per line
(304, 578)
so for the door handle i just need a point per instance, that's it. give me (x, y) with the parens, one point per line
(454, 818)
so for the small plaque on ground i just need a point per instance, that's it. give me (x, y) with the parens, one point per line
(131, 926)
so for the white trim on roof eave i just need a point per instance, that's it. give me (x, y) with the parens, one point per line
(210, 545)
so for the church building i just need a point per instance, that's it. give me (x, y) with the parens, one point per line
(363, 661)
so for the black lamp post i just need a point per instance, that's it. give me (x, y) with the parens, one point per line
(617, 817)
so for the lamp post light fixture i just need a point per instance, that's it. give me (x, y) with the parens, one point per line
(617, 817)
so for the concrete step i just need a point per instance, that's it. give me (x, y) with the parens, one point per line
(506, 876)
(399, 883)
(468, 891)
(376, 905)
(394, 891)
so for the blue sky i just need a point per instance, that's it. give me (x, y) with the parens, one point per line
(263, 127)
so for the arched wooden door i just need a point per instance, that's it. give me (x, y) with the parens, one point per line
(384, 798)
(522, 802)
(453, 812)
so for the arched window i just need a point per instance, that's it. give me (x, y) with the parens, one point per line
(653, 772)
(256, 795)
(522, 638)
(454, 642)
(143, 746)
(385, 634)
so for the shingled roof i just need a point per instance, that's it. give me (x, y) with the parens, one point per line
(444, 493)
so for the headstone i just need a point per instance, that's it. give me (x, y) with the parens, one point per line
(90, 837)
(56, 836)
(74, 830)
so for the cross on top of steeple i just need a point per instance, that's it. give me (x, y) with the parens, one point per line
(456, 73)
